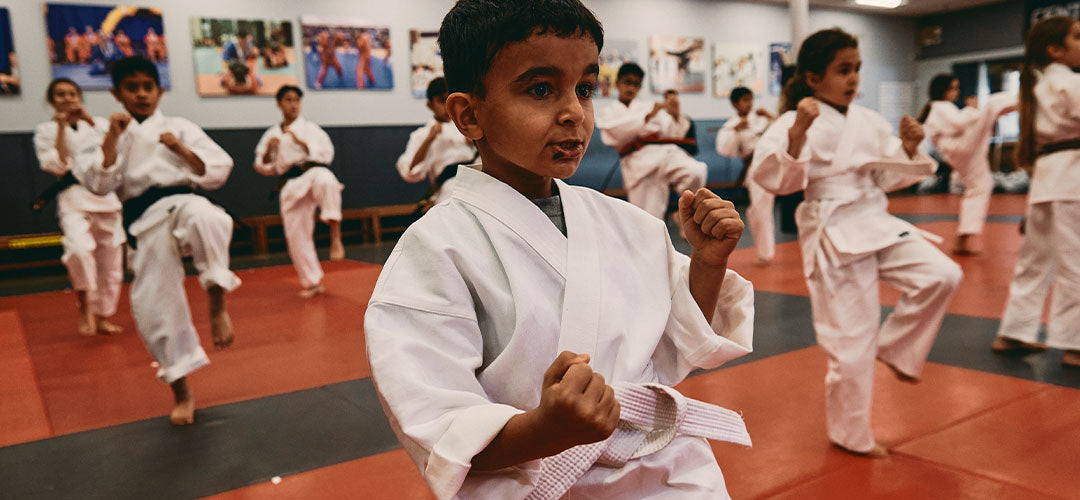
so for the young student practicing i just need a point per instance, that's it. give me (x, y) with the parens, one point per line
(846, 158)
(645, 134)
(524, 335)
(301, 153)
(93, 237)
(435, 150)
(154, 162)
(1050, 142)
(962, 137)
(736, 139)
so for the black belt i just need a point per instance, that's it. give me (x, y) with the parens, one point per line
(135, 207)
(50, 193)
(294, 172)
(1054, 147)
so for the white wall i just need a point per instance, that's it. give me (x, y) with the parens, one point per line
(887, 45)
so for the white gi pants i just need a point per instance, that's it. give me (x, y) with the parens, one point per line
(678, 170)
(194, 227)
(1049, 254)
(317, 187)
(846, 320)
(762, 222)
(978, 186)
(93, 254)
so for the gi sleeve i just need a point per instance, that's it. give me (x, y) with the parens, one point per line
(773, 168)
(45, 147)
(90, 172)
(619, 127)
(418, 172)
(320, 147)
(218, 163)
(897, 170)
(265, 168)
(424, 347)
(727, 139)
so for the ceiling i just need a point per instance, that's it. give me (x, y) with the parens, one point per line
(910, 8)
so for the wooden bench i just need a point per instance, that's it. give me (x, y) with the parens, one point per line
(370, 217)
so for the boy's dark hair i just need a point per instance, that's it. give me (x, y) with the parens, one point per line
(737, 94)
(815, 54)
(285, 89)
(436, 88)
(474, 31)
(58, 81)
(630, 69)
(241, 34)
(129, 66)
(670, 91)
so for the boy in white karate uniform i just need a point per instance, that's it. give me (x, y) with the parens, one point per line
(435, 150)
(1050, 143)
(646, 135)
(845, 157)
(527, 329)
(300, 152)
(93, 237)
(154, 162)
(737, 139)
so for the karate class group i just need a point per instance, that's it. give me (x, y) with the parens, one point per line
(525, 333)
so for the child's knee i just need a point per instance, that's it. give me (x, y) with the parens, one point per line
(948, 277)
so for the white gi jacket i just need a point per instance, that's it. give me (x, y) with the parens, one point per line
(620, 125)
(962, 136)
(321, 150)
(143, 162)
(84, 137)
(468, 312)
(1057, 118)
(740, 143)
(449, 148)
(848, 164)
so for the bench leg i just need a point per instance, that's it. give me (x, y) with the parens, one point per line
(376, 228)
(261, 246)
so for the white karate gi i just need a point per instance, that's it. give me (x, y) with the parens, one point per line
(650, 172)
(849, 242)
(449, 149)
(468, 312)
(962, 137)
(317, 187)
(172, 227)
(740, 144)
(1051, 248)
(93, 237)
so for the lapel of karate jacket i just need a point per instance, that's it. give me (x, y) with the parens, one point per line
(581, 297)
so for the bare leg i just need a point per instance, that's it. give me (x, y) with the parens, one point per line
(87, 322)
(221, 329)
(312, 291)
(337, 249)
(184, 411)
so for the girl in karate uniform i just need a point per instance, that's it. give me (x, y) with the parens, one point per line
(845, 157)
(1050, 141)
(962, 137)
(93, 238)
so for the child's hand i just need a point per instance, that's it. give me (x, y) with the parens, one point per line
(118, 122)
(273, 143)
(911, 134)
(436, 129)
(61, 117)
(710, 224)
(81, 114)
(576, 406)
(169, 140)
(743, 124)
(806, 113)
(971, 101)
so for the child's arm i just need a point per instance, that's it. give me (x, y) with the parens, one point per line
(712, 227)
(170, 141)
(775, 168)
(408, 167)
(266, 153)
(422, 151)
(727, 139)
(321, 148)
(96, 166)
(209, 163)
(902, 163)
(49, 144)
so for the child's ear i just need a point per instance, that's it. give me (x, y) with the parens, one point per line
(1055, 52)
(812, 79)
(461, 108)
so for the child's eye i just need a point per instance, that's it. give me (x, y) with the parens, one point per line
(586, 90)
(539, 90)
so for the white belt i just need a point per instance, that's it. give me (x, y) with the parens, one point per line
(848, 187)
(651, 415)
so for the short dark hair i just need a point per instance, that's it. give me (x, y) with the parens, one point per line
(737, 94)
(285, 89)
(474, 31)
(630, 69)
(58, 81)
(670, 92)
(130, 65)
(241, 34)
(436, 88)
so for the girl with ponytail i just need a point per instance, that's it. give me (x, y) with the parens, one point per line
(1050, 145)
(846, 157)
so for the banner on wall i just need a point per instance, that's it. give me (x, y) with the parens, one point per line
(738, 65)
(9, 64)
(426, 60)
(1037, 10)
(85, 40)
(677, 63)
(615, 54)
(242, 56)
(780, 56)
(346, 53)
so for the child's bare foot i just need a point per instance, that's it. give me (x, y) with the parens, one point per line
(87, 321)
(878, 451)
(184, 411)
(901, 376)
(1006, 345)
(762, 261)
(312, 291)
(105, 327)
(221, 330)
(1071, 358)
(963, 246)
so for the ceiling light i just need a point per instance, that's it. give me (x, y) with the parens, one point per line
(885, 4)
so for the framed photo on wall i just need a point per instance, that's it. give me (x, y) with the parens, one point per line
(10, 83)
(346, 53)
(242, 56)
(426, 60)
(738, 65)
(677, 63)
(615, 54)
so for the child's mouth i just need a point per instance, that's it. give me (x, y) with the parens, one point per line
(568, 150)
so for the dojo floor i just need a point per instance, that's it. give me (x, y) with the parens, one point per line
(85, 418)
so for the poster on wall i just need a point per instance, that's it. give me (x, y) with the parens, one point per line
(242, 56)
(426, 60)
(9, 64)
(615, 54)
(344, 53)
(738, 65)
(85, 40)
(1038, 10)
(677, 63)
(779, 56)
